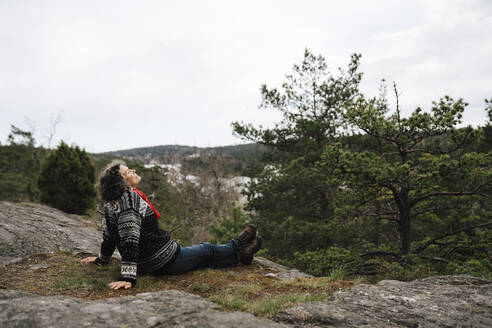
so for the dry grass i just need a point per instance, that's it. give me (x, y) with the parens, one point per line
(243, 288)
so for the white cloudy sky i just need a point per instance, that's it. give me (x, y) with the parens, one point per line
(124, 74)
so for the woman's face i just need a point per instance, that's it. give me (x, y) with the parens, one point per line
(130, 175)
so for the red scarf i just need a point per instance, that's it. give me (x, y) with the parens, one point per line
(145, 198)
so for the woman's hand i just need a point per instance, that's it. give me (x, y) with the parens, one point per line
(119, 284)
(89, 259)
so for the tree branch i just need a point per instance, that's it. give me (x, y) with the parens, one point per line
(396, 255)
(434, 209)
(433, 240)
(446, 193)
(435, 259)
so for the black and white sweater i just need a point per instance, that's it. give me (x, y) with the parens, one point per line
(131, 226)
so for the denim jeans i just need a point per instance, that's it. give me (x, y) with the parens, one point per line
(203, 255)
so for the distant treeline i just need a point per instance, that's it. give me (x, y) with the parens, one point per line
(239, 160)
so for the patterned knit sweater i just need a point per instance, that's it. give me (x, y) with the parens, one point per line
(131, 226)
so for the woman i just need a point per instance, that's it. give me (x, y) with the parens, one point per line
(131, 226)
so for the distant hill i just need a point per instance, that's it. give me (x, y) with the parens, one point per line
(237, 157)
(167, 153)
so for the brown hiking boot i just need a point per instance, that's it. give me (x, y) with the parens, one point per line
(246, 236)
(246, 255)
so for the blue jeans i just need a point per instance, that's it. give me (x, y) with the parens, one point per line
(203, 255)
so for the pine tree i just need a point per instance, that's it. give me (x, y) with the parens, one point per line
(292, 199)
(20, 163)
(67, 180)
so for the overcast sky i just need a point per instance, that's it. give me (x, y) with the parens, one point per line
(125, 74)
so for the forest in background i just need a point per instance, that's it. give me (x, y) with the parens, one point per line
(343, 185)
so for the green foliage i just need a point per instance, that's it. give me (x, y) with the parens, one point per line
(67, 180)
(485, 143)
(347, 171)
(228, 226)
(488, 109)
(331, 262)
(19, 167)
(288, 235)
(293, 200)
(412, 267)
(420, 176)
(475, 267)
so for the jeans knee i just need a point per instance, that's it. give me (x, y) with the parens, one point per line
(208, 246)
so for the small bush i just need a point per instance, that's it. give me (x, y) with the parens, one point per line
(228, 226)
(67, 180)
(474, 267)
(331, 261)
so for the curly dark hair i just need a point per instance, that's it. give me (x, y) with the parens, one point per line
(111, 184)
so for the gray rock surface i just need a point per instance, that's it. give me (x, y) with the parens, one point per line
(30, 228)
(169, 308)
(438, 301)
(284, 273)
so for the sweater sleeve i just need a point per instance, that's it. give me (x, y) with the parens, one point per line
(129, 223)
(107, 247)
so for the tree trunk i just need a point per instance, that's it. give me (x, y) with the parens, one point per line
(404, 226)
(404, 223)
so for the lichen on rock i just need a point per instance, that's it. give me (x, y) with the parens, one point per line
(438, 301)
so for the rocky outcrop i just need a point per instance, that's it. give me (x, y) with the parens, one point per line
(169, 308)
(439, 301)
(29, 228)
(442, 301)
